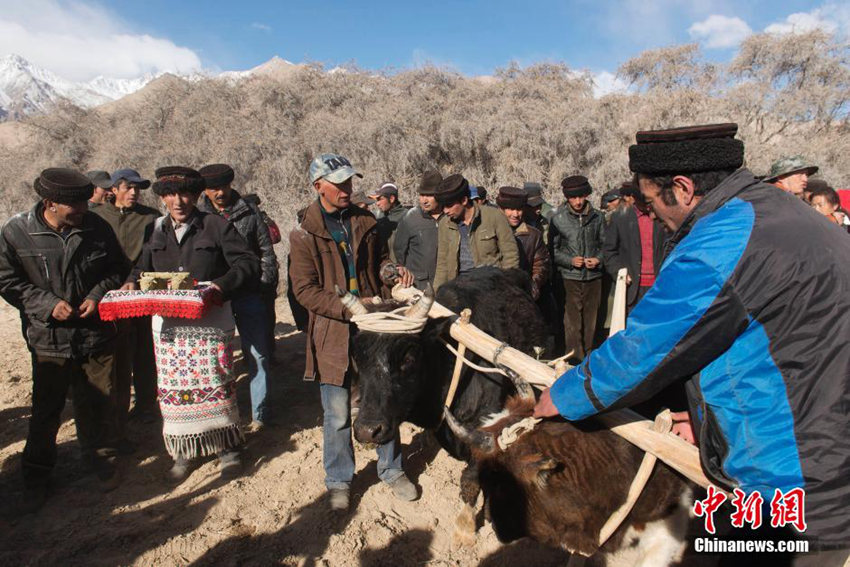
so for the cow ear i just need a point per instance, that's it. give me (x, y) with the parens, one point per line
(538, 468)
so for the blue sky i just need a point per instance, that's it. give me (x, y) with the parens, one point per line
(473, 36)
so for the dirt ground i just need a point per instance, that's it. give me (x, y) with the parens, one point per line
(276, 513)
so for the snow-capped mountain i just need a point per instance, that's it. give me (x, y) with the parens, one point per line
(27, 89)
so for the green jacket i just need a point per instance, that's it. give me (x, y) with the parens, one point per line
(491, 240)
(132, 226)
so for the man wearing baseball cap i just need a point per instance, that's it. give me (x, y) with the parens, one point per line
(337, 246)
(391, 212)
(132, 223)
(102, 182)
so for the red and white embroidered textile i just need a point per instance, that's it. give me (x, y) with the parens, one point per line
(197, 391)
(182, 303)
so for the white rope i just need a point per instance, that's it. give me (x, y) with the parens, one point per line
(390, 322)
(472, 364)
(510, 434)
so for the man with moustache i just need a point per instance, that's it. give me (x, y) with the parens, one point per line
(56, 263)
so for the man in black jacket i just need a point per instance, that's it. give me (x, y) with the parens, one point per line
(56, 263)
(634, 241)
(415, 242)
(249, 308)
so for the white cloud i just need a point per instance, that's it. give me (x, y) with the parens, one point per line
(720, 32)
(831, 18)
(261, 27)
(605, 82)
(79, 41)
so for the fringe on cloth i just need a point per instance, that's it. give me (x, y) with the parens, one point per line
(193, 445)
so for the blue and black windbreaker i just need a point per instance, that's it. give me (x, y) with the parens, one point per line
(754, 300)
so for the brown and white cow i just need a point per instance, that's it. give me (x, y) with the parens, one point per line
(560, 482)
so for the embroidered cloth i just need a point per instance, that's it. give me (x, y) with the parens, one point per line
(196, 389)
(182, 303)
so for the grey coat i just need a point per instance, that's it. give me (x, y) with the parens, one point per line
(38, 268)
(415, 245)
(251, 226)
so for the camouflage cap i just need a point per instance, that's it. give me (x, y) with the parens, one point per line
(332, 167)
(788, 165)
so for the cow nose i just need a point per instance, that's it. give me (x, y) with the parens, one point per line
(370, 431)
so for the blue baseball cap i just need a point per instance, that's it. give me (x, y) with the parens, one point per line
(131, 176)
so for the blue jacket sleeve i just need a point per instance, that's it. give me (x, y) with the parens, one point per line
(690, 316)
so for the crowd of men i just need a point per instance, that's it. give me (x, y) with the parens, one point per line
(87, 235)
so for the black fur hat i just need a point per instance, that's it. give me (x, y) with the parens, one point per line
(512, 198)
(576, 186)
(690, 149)
(452, 189)
(217, 175)
(62, 185)
(176, 178)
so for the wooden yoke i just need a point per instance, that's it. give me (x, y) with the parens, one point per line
(676, 453)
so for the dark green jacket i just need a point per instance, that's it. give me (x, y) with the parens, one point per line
(576, 234)
(132, 226)
(38, 268)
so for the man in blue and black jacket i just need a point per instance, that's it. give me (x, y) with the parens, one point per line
(747, 303)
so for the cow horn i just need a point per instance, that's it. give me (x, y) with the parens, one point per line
(420, 309)
(523, 388)
(476, 438)
(350, 302)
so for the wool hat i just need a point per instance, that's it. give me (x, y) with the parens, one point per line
(690, 149)
(386, 190)
(789, 165)
(62, 185)
(176, 179)
(130, 176)
(576, 186)
(452, 189)
(535, 193)
(512, 198)
(332, 167)
(100, 178)
(430, 182)
(608, 196)
(217, 175)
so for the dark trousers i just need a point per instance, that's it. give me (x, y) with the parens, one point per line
(90, 379)
(135, 364)
(581, 303)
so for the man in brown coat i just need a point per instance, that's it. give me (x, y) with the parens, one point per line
(533, 254)
(337, 244)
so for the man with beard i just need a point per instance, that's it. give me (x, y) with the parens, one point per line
(249, 307)
(56, 263)
(415, 242)
(132, 224)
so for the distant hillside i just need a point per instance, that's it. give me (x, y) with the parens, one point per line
(538, 123)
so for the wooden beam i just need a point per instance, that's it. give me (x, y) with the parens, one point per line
(672, 450)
